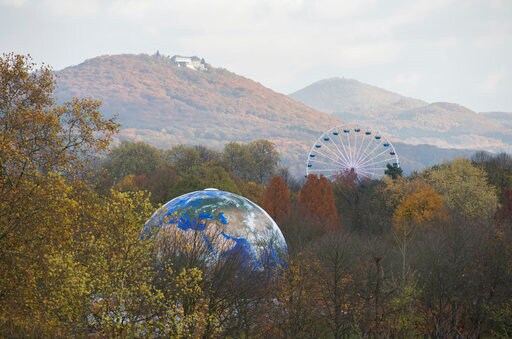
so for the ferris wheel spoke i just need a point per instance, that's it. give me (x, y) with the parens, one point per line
(366, 155)
(325, 163)
(363, 170)
(338, 155)
(353, 147)
(339, 151)
(371, 155)
(373, 172)
(324, 170)
(363, 153)
(345, 151)
(373, 163)
(377, 168)
(349, 147)
(335, 160)
(358, 151)
(378, 162)
(363, 174)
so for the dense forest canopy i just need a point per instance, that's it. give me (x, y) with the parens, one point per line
(429, 254)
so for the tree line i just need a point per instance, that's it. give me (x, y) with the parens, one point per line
(424, 255)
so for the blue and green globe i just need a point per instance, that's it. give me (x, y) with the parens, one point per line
(219, 225)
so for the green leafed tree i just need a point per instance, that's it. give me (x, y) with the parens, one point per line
(186, 160)
(265, 159)
(132, 158)
(256, 161)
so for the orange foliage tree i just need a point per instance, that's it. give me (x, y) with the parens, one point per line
(422, 207)
(316, 199)
(277, 200)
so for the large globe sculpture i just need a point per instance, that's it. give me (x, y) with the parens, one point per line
(217, 225)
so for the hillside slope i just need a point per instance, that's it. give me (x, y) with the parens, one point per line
(503, 118)
(166, 105)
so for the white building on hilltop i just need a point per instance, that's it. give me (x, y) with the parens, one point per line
(190, 62)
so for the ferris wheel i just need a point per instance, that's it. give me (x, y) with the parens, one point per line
(354, 150)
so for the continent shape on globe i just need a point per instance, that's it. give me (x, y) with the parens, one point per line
(224, 225)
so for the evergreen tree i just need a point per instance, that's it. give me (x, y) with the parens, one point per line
(393, 171)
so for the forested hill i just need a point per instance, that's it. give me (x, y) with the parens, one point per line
(164, 104)
(410, 120)
(341, 95)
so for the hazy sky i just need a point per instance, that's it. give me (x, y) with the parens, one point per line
(436, 50)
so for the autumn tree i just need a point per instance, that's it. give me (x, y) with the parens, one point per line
(44, 150)
(120, 266)
(277, 200)
(422, 207)
(38, 136)
(316, 199)
(464, 188)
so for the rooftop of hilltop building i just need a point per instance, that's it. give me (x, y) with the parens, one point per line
(192, 62)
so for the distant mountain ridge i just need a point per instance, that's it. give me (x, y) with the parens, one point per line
(165, 105)
(412, 121)
(341, 95)
(503, 118)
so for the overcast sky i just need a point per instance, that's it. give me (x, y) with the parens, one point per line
(436, 50)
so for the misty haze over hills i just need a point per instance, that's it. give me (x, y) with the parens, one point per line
(342, 96)
(164, 105)
(412, 121)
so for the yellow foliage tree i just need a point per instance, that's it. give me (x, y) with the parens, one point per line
(73, 262)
